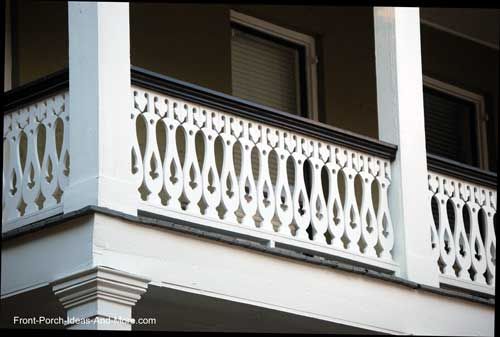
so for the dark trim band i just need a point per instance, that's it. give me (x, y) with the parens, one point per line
(185, 227)
(254, 111)
(44, 86)
(461, 171)
(29, 92)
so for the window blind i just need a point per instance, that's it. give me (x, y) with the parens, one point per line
(265, 71)
(450, 127)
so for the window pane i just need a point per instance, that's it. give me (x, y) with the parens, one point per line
(265, 71)
(450, 127)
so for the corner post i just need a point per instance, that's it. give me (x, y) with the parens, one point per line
(101, 133)
(401, 122)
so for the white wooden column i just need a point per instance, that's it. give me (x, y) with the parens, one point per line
(401, 122)
(100, 298)
(101, 134)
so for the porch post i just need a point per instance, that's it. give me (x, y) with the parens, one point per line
(100, 298)
(100, 106)
(401, 122)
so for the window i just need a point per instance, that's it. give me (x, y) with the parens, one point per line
(455, 125)
(273, 66)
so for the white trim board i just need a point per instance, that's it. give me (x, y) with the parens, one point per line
(462, 35)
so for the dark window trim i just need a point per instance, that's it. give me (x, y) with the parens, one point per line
(47, 85)
(304, 99)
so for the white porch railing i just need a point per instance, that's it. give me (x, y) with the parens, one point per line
(229, 172)
(224, 171)
(35, 160)
(463, 233)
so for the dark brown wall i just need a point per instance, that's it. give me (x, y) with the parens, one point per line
(40, 29)
(347, 60)
(192, 43)
(466, 64)
(188, 42)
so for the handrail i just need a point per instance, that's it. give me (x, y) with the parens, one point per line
(273, 117)
(60, 80)
(462, 171)
(29, 92)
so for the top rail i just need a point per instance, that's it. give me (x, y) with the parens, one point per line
(59, 80)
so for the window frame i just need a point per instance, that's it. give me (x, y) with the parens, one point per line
(305, 41)
(480, 113)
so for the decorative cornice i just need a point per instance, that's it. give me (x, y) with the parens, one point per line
(100, 283)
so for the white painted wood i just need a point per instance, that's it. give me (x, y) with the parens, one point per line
(99, 86)
(187, 263)
(36, 161)
(401, 122)
(41, 258)
(282, 207)
(467, 254)
(100, 298)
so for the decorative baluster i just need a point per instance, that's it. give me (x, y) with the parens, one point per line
(247, 188)
(384, 220)
(153, 174)
(139, 105)
(6, 159)
(191, 169)
(265, 192)
(445, 235)
(301, 209)
(50, 162)
(462, 246)
(490, 240)
(173, 177)
(319, 217)
(369, 230)
(433, 188)
(351, 215)
(230, 191)
(63, 167)
(284, 209)
(334, 206)
(213, 124)
(14, 175)
(314, 216)
(32, 171)
(478, 253)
